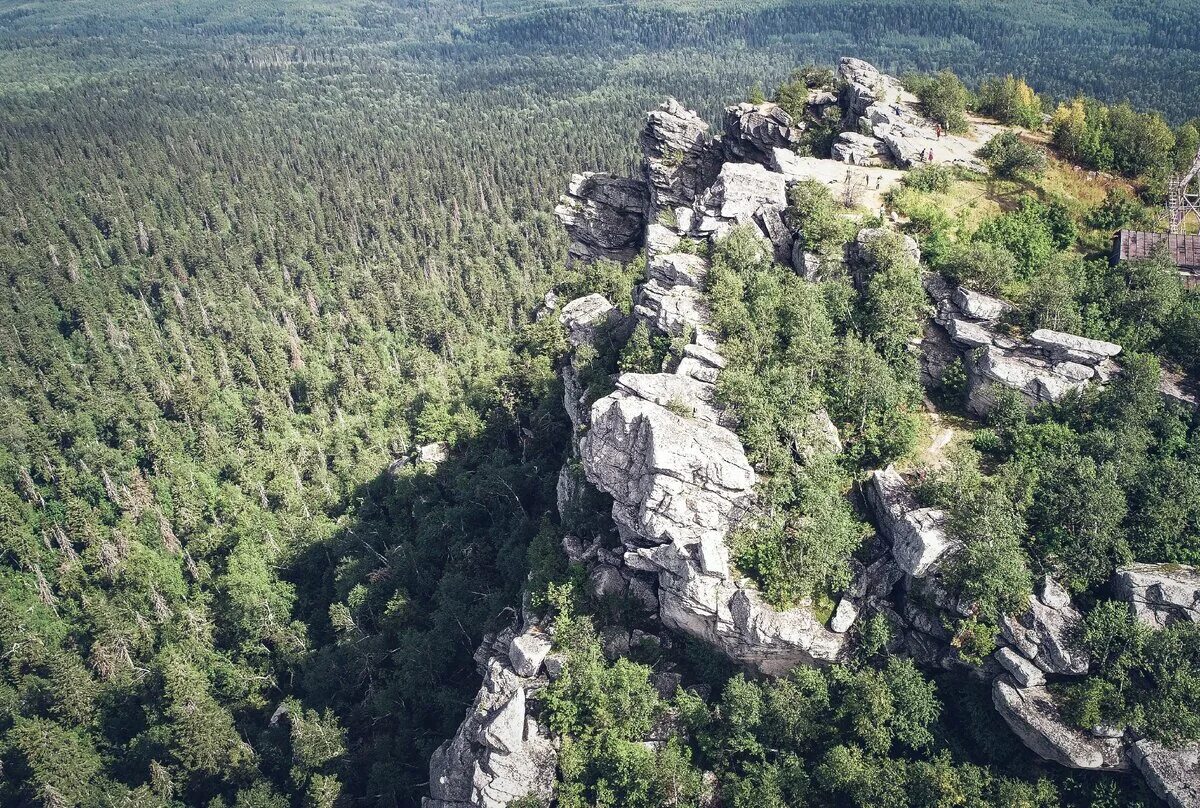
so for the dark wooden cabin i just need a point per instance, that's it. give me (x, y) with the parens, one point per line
(1184, 251)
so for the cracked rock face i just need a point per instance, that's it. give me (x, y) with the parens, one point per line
(1046, 633)
(1035, 718)
(680, 157)
(1043, 368)
(859, 149)
(583, 317)
(740, 191)
(1161, 594)
(918, 537)
(604, 215)
(1023, 672)
(864, 84)
(678, 484)
(1173, 774)
(500, 753)
(753, 131)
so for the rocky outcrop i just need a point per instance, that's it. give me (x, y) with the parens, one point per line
(917, 535)
(679, 483)
(1023, 672)
(753, 131)
(739, 194)
(1033, 715)
(604, 215)
(1173, 774)
(680, 158)
(1161, 594)
(1042, 368)
(1047, 633)
(583, 318)
(863, 86)
(859, 149)
(500, 752)
(671, 300)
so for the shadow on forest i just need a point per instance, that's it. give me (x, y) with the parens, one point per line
(396, 602)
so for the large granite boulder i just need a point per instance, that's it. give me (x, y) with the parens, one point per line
(671, 301)
(1023, 672)
(1033, 715)
(1161, 594)
(753, 131)
(680, 157)
(584, 317)
(673, 478)
(604, 215)
(740, 192)
(863, 85)
(1060, 346)
(918, 537)
(1043, 368)
(1173, 774)
(978, 306)
(500, 752)
(859, 149)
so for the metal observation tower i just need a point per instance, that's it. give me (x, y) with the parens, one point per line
(1183, 197)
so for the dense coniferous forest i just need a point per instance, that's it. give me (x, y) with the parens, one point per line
(255, 258)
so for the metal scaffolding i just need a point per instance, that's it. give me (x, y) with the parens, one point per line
(1183, 196)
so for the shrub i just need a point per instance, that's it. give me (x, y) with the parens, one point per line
(934, 178)
(1025, 232)
(991, 570)
(1120, 209)
(1010, 157)
(981, 265)
(943, 97)
(813, 211)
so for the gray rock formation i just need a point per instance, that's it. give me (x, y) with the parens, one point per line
(739, 193)
(1035, 718)
(671, 301)
(1042, 369)
(753, 131)
(500, 752)
(583, 318)
(918, 537)
(977, 306)
(1023, 672)
(604, 215)
(860, 150)
(1161, 594)
(680, 481)
(1046, 634)
(678, 484)
(528, 650)
(864, 85)
(1173, 774)
(680, 158)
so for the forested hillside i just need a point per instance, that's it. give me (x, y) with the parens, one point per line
(255, 257)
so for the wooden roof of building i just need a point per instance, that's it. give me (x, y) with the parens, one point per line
(1133, 245)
